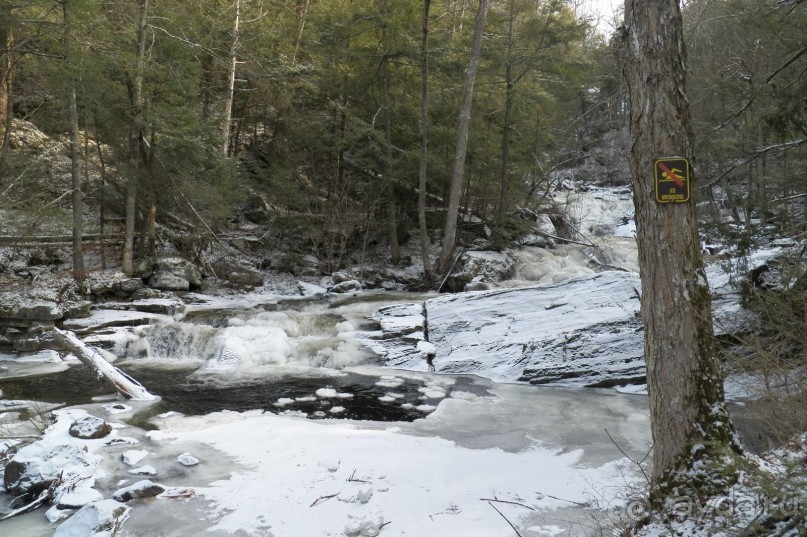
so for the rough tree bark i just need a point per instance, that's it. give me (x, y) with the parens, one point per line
(689, 420)
(136, 134)
(450, 233)
(424, 139)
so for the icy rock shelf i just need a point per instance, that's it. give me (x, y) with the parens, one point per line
(581, 332)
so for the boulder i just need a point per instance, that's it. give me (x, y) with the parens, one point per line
(98, 519)
(77, 498)
(168, 281)
(89, 428)
(182, 268)
(256, 210)
(186, 459)
(45, 257)
(348, 286)
(236, 273)
(480, 266)
(112, 284)
(21, 306)
(141, 489)
(342, 276)
(170, 274)
(34, 467)
(146, 293)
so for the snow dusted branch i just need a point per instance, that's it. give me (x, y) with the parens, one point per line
(125, 385)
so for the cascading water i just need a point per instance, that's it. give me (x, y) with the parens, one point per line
(252, 340)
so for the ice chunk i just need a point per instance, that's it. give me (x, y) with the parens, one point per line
(133, 456)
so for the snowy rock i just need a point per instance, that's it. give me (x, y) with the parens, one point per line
(537, 240)
(245, 277)
(348, 286)
(89, 428)
(364, 527)
(341, 277)
(169, 282)
(34, 467)
(133, 456)
(480, 266)
(144, 470)
(174, 493)
(357, 494)
(121, 441)
(117, 408)
(146, 293)
(98, 519)
(54, 514)
(29, 308)
(401, 320)
(186, 459)
(114, 284)
(236, 273)
(141, 489)
(426, 348)
(170, 273)
(78, 497)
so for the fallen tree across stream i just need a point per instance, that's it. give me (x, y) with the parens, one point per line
(123, 383)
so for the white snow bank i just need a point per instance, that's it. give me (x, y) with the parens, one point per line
(420, 485)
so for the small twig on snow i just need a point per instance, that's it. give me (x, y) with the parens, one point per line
(505, 518)
(323, 499)
(507, 501)
(353, 479)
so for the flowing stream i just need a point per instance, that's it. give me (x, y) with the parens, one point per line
(305, 357)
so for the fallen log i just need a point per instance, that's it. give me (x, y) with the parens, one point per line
(123, 383)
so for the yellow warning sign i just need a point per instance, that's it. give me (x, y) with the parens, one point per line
(672, 180)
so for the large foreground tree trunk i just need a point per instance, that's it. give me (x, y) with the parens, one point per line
(688, 415)
(458, 175)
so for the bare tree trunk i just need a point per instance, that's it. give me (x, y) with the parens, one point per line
(75, 170)
(689, 420)
(151, 218)
(233, 62)
(135, 139)
(102, 199)
(450, 234)
(424, 140)
(302, 12)
(504, 179)
(6, 42)
(75, 147)
(392, 225)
